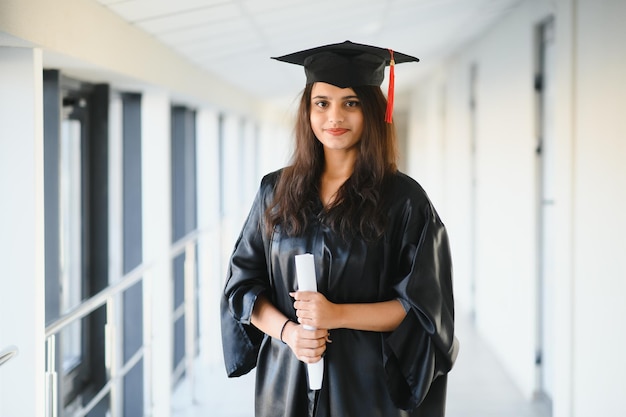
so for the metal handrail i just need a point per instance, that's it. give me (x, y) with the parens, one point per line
(186, 244)
(99, 299)
(8, 353)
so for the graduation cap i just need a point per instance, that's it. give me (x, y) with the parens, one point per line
(349, 64)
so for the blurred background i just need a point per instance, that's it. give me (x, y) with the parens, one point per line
(134, 134)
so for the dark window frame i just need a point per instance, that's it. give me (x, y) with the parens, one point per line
(88, 103)
(184, 211)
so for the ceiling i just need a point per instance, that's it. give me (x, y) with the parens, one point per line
(234, 39)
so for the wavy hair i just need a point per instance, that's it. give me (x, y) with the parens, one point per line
(357, 209)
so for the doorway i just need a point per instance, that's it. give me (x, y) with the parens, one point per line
(546, 232)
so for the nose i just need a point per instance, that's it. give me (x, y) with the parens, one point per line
(335, 114)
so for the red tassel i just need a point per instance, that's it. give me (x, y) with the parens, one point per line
(390, 91)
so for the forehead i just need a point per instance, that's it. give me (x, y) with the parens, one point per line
(329, 90)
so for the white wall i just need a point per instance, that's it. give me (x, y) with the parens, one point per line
(505, 170)
(590, 200)
(599, 174)
(22, 236)
(505, 222)
(425, 155)
(275, 135)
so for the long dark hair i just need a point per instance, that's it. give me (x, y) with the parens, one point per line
(358, 208)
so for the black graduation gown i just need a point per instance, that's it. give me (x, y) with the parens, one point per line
(400, 373)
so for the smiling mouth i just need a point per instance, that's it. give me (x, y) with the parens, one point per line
(336, 132)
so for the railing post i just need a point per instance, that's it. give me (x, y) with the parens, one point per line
(115, 368)
(147, 345)
(51, 378)
(190, 315)
(111, 356)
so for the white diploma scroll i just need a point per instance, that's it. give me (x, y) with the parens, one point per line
(305, 273)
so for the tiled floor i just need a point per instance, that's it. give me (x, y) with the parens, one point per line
(478, 387)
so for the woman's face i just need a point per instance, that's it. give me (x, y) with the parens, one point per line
(336, 117)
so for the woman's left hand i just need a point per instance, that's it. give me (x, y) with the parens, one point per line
(313, 309)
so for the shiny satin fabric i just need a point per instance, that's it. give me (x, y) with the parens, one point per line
(400, 373)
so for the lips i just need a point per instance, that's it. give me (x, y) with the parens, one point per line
(336, 131)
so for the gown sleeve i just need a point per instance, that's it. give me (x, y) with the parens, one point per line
(422, 350)
(247, 278)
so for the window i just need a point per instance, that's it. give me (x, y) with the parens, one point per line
(184, 221)
(70, 229)
(76, 221)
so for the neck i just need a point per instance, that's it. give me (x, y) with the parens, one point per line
(338, 167)
(339, 164)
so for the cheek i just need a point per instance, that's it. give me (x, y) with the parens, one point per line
(358, 123)
(315, 124)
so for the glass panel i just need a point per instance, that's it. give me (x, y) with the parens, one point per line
(179, 280)
(70, 237)
(102, 409)
(179, 341)
(133, 391)
(133, 321)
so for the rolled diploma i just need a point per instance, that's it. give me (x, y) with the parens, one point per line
(305, 273)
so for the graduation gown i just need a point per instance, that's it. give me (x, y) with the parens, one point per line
(398, 373)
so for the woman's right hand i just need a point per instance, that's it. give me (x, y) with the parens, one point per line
(307, 345)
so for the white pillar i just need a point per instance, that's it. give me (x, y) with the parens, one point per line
(249, 154)
(210, 262)
(274, 147)
(22, 238)
(231, 183)
(156, 206)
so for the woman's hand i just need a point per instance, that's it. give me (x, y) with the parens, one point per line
(313, 309)
(307, 345)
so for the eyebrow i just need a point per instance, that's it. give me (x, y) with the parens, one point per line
(343, 98)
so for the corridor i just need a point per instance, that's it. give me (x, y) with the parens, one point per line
(478, 387)
(134, 135)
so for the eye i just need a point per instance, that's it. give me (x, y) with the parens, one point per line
(321, 103)
(352, 103)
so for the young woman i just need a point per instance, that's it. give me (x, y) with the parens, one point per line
(383, 313)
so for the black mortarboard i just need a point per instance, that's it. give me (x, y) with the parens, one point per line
(349, 64)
